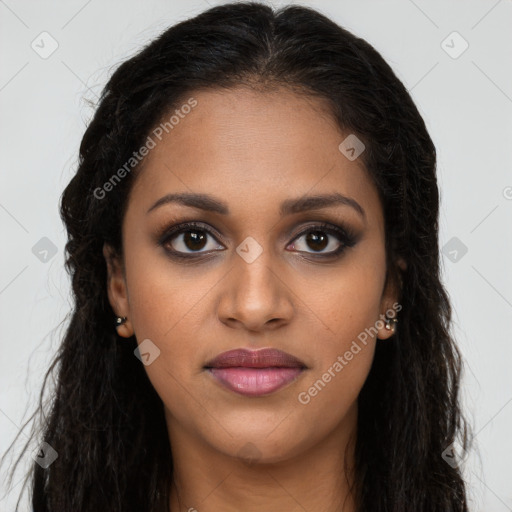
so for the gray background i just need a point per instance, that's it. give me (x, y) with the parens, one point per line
(466, 101)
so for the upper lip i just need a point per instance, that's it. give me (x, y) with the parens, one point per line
(263, 358)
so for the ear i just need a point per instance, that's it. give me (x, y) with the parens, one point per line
(117, 290)
(390, 303)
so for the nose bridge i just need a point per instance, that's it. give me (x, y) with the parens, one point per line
(256, 277)
(256, 292)
(254, 269)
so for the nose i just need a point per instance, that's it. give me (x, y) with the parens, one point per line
(255, 296)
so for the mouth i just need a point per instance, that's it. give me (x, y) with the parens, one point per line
(255, 373)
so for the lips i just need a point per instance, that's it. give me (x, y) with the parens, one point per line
(263, 358)
(255, 373)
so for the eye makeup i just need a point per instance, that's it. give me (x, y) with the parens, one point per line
(191, 235)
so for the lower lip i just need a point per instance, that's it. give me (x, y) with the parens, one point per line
(255, 381)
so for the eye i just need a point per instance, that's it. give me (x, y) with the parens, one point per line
(190, 238)
(195, 239)
(323, 240)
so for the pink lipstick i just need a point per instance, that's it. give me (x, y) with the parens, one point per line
(255, 372)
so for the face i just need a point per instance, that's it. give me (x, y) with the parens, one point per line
(267, 264)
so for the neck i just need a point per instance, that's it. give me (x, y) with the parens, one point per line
(206, 480)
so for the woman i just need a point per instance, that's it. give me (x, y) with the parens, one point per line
(259, 320)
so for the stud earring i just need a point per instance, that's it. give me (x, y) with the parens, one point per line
(390, 324)
(120, 320)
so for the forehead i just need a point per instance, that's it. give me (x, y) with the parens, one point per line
(246, 145)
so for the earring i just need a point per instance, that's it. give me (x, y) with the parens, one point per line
(120, 320)
(390, 323)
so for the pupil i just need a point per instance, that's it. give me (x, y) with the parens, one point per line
(317, 238)
(193, 240)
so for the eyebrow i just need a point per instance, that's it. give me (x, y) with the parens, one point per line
(289, 206)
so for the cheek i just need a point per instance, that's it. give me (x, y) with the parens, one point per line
(165, 299)
(168, 308)
(349, 301)
(165, 308)
(349, 308)
(332, 392)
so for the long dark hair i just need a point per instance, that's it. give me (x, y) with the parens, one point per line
(105, 420)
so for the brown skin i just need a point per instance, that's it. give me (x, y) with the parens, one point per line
(253, 150)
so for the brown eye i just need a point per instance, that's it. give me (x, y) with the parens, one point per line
(326, 240)
(194, 240)
(317, 240)
(189, 239)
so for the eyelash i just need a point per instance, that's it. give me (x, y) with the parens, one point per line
(346, 237)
